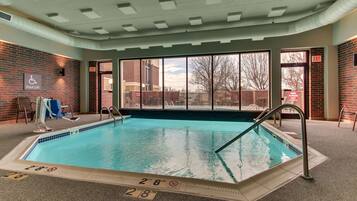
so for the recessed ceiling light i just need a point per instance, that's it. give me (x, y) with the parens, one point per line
(258, 38)
(167, 4)
(161, 25)
(88, 12)
(56, 17)
(194, 21)
(225, 41)
(210, 2)
(129, 28)
(167, 45)
(233, 17)
(277, 11)
(100, 30)
(126, 8)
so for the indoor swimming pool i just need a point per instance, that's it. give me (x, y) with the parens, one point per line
(181, 148)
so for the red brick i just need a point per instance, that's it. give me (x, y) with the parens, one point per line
(16, 60)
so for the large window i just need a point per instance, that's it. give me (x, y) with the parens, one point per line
(130, 84)
(175, 83)
(199, 83)
(151, 79)
(226, 82)
(210, 82)
(255, 80)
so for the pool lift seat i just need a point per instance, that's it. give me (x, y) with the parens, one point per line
(306, 175)
(110, 114)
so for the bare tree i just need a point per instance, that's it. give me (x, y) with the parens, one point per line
(293, 77)
(224, 68)
(255, 71)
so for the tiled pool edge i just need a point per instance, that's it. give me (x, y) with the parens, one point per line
(251, 189)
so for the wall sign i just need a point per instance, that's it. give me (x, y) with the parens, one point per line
(355, 59)
(316, 59)
(32, 81)
(92, 69)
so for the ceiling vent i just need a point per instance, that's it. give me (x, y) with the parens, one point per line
(5, 16)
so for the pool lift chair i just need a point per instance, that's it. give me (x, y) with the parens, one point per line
(42, 106)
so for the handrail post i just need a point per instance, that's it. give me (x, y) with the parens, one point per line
(306, 174)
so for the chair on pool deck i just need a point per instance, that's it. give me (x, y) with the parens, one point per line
(344, 112)
(24, 105)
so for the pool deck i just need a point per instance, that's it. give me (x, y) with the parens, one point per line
(334, 179)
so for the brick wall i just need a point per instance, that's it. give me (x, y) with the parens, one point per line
(16, 60)
(316, 85)
(347, 76)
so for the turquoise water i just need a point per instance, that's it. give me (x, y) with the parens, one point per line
(169, 147)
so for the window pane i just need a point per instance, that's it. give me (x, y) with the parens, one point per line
(175, 83)
(199, 83)
(255, 80)
(226, 82)
(107, 90)
(151, 75)
(105, 66)
(293, 57)
(292, 83)
(130, 84)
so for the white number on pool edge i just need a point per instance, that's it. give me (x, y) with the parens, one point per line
(140, 194)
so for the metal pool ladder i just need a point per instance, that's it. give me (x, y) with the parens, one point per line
(261, 119)
(110, 113)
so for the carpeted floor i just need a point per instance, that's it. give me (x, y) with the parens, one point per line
(335, 179)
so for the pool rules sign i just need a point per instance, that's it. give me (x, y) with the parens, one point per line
(32, 81)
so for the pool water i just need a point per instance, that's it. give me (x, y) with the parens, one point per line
(169, 147)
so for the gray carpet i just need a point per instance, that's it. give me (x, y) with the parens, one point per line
(334, 180)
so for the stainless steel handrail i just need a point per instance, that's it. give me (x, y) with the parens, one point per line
(117, 111)
(306, 174)
(110, 114)
(261, 114)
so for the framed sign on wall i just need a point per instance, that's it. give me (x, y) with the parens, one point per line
(32, 81)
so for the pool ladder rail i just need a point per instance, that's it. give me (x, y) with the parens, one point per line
(110, 113)
(261, 118)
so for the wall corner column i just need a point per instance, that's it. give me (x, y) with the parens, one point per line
(331, 94)
(116, 82)
(275, 78)
(84, 86)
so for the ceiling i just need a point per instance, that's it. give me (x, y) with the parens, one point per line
(149, 11)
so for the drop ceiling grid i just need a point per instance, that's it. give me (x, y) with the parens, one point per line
(150, 11)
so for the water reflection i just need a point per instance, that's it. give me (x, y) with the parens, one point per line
(169, 147)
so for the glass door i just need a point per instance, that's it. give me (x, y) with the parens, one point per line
(294, 70)
(105, 84)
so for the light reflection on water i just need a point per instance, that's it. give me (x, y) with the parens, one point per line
(169, 147)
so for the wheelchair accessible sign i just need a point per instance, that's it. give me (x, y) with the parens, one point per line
(32, 81)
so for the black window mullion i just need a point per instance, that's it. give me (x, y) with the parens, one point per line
(240, 83)
(186, 83)
(141, 84)
(163, 83)
(212, 96)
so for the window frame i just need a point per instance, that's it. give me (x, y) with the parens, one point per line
(212, 80)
